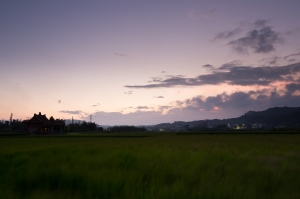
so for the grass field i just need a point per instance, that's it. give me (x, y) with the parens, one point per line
(156, 166)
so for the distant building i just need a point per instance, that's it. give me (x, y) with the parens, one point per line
(239, 126)
(40, 124)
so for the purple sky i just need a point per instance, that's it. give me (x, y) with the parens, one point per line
(148, 62)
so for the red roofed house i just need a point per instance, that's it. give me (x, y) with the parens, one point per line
(40, 124)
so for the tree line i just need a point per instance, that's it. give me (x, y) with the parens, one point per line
(15, 126)
(126, 129)
(83, 127)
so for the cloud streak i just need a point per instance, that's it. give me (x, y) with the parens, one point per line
(71, 112)
(95, 105)
(119, 55)
(142, 107)
(128, 92)
(227, 34)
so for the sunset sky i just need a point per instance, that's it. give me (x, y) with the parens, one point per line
(139, 62)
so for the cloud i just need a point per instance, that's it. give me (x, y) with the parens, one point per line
(230, 65)
(163, 71)
(59, 101)
(165, 107)
(292, 55)
(128, 92)
(208, 67)
(71, 112)
(231, 74)
(119, 55)
(259, 100)
(275, 60)
(159, 97)
(227, 34)
(142, 107)
(292, 60)
(293, 32)
(260, 23)
(261, 39)
(220, 106)
(95, 105)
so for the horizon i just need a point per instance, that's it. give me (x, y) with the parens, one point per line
(145, 63)
(172, 122)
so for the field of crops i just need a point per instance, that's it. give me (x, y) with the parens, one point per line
(154, 166)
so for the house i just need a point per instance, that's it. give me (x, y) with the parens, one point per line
(40, 124)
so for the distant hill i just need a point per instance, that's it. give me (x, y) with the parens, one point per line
(277, 116)
(272, 117)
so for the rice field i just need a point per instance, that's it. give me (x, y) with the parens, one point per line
(150, 166)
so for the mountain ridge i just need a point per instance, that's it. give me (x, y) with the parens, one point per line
(270, 118)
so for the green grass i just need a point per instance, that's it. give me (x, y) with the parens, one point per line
(156, 166)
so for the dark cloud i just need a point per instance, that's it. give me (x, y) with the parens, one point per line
(227, 34)
(71, 112)
(119, 55)
(159, 97)
(260, 23)
(208, 67)
(59, 101)
(232, 75)
(230, 65)
(291, 88)
(163, 71)
(261, 39)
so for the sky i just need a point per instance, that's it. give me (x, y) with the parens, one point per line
(148, 62)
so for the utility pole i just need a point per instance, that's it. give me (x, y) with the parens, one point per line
(90, 118)
(10, 120)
